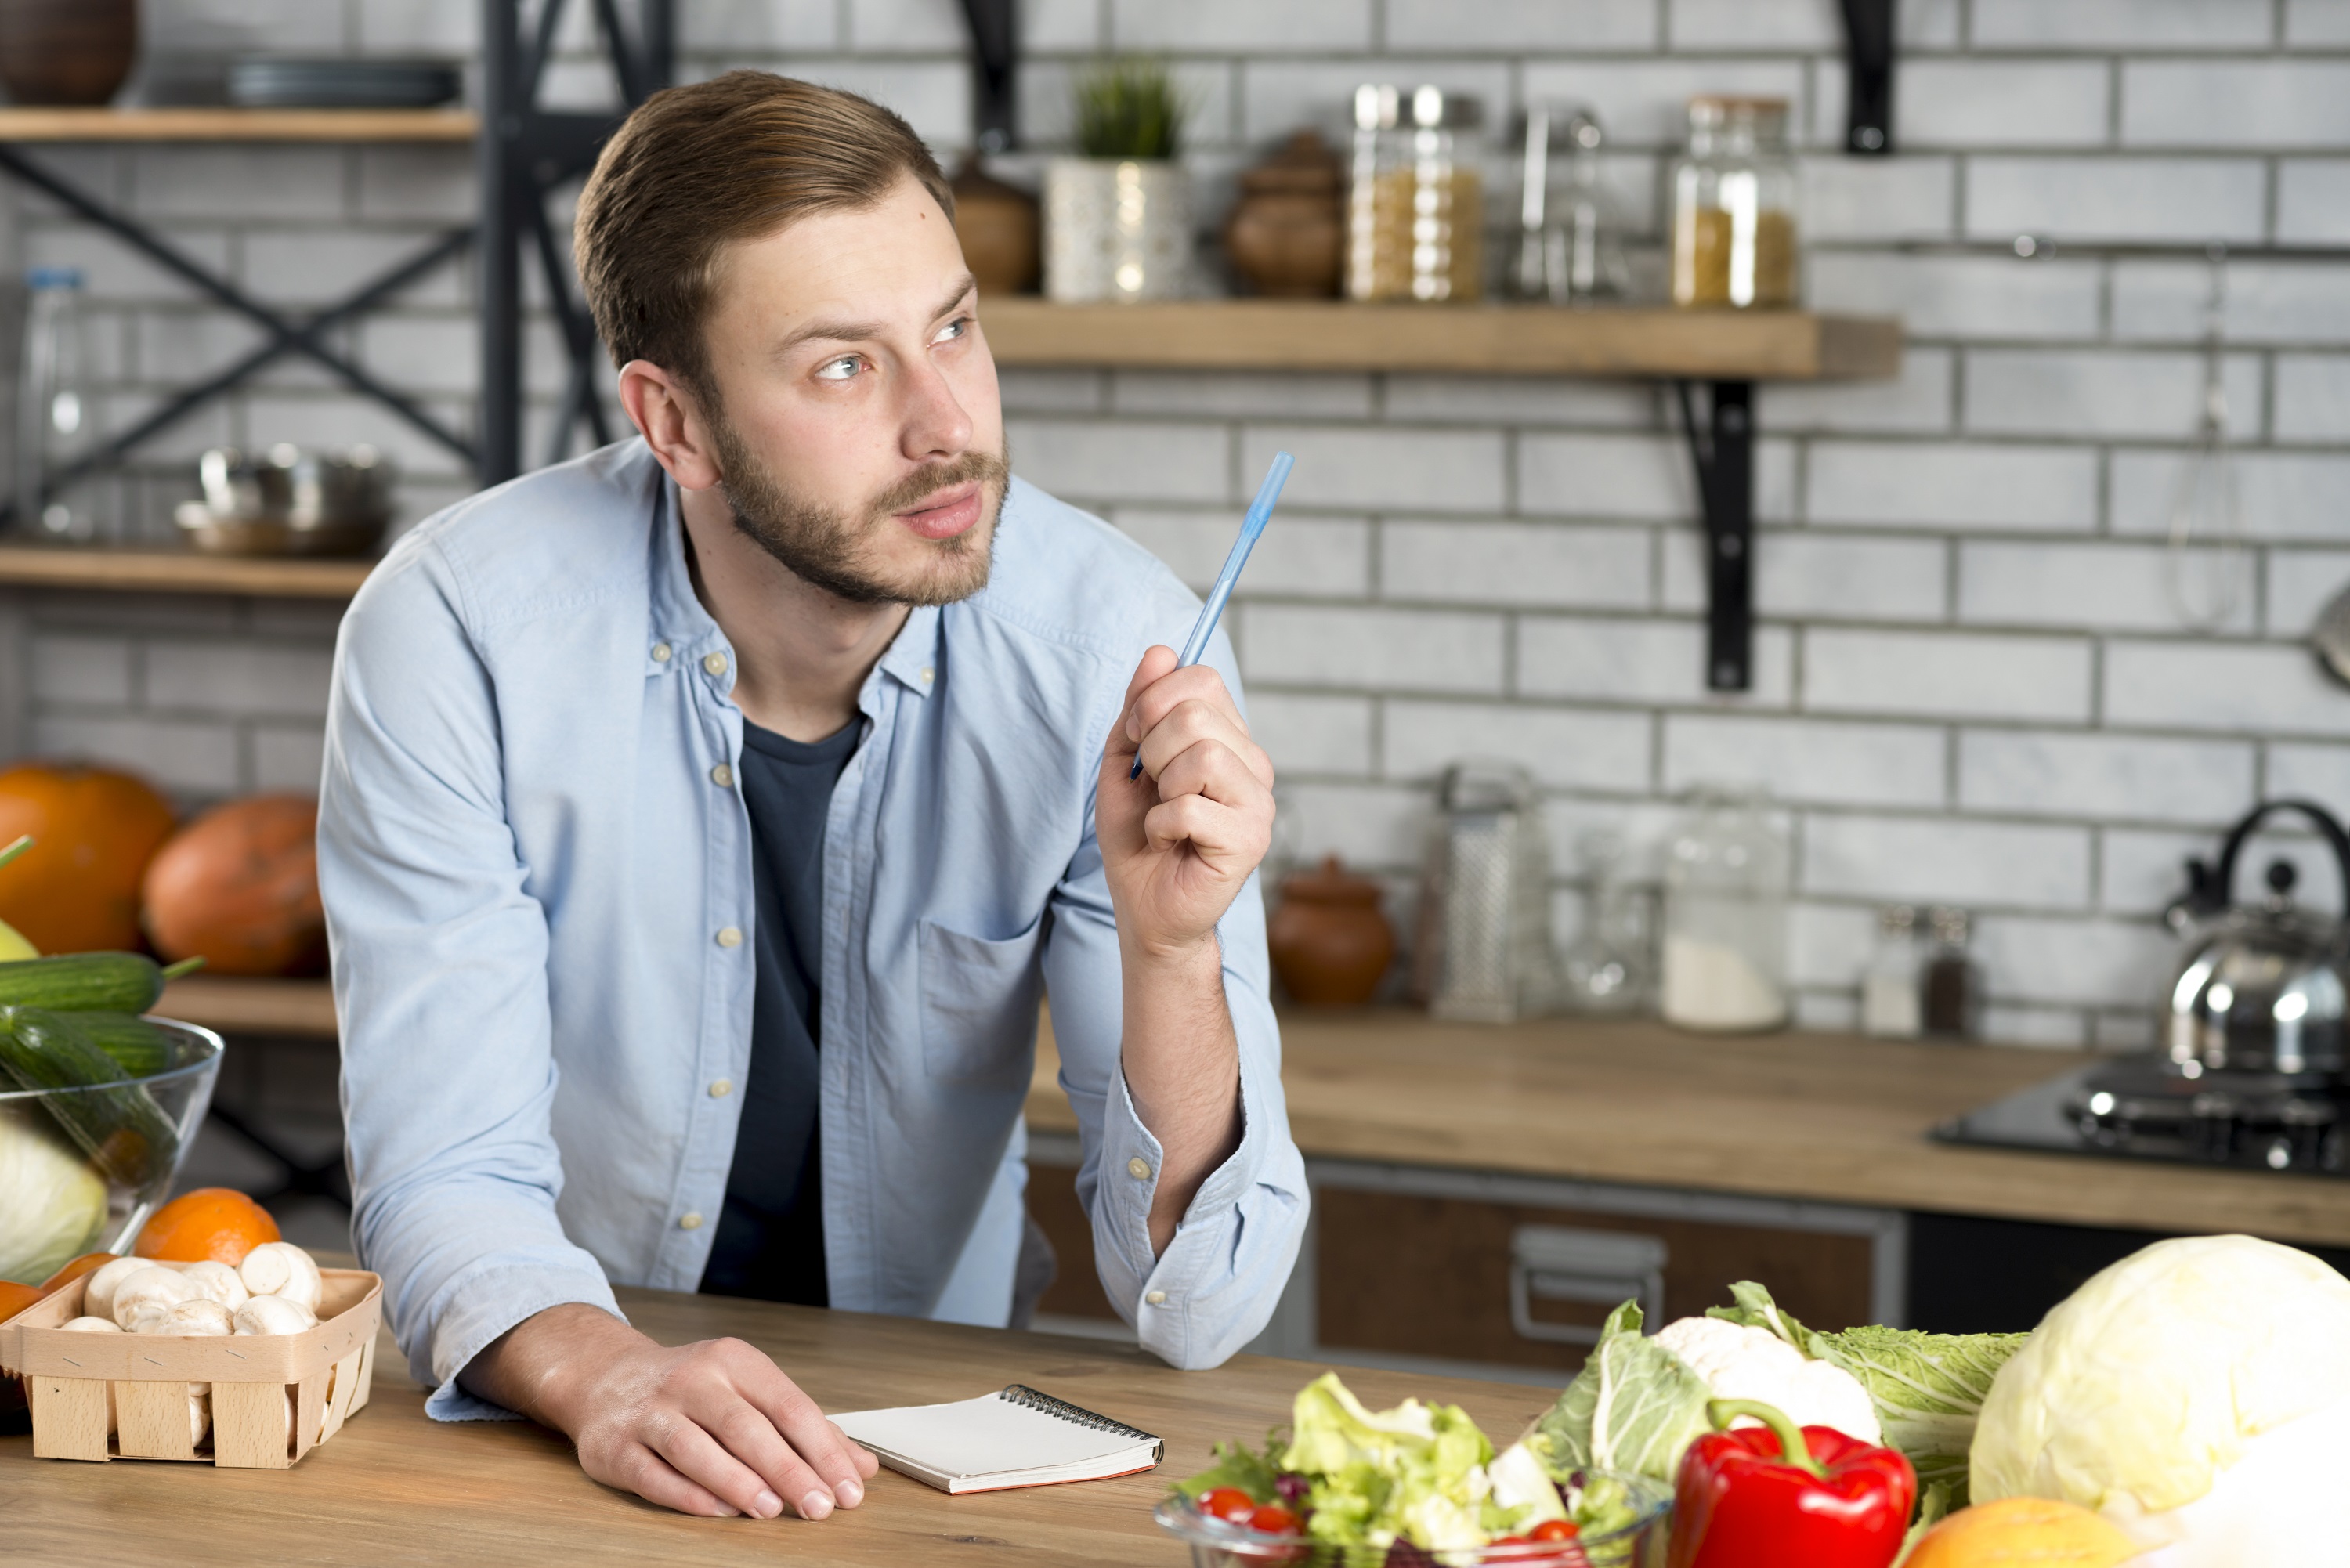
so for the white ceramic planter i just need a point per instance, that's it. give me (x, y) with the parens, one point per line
(1116, 229)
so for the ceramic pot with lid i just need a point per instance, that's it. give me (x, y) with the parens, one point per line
(1328, 942)
(1287, 233)
(67, 51)
(2260, 987)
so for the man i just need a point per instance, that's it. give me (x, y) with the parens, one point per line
(704, 819)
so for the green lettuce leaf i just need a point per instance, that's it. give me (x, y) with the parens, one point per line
(1634, 1407)
(1415, 1471)
(1237, 1465)
(1927, 1388)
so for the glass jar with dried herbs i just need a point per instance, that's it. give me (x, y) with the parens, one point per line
(1416, 196)
(1733, 198)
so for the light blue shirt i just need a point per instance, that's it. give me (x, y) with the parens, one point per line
(539, 885)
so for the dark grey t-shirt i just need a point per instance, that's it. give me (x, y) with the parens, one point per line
(770, 1242)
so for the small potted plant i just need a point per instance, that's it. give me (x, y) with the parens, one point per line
(1117, 217)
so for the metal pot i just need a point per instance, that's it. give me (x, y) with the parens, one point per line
(2260, 986)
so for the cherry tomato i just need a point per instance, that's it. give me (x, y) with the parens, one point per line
(1556, 1530)
(1229, 1502)
(1274, 1519)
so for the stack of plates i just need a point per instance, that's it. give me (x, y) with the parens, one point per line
(270, 81)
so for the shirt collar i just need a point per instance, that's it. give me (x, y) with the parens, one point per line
(912, 657)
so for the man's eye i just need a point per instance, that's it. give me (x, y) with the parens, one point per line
(840, 369)
(958, 327)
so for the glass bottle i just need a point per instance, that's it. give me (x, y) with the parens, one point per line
(1725, 948)
(1952, 986)
(56, 419)
(1607, 967)
(1732, 199)
(1571, 245)
(1889, 986)
(1415, 201)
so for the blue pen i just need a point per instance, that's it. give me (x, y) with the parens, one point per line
(1260, 513)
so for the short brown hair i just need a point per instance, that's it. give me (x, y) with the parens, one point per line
(697, 168)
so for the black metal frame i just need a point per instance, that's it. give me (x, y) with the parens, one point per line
(523, 155)
(1868, 110)
(1724, 451)
(994, 56)
(287, 334)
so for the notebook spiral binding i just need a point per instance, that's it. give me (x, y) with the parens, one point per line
(1021, 1393)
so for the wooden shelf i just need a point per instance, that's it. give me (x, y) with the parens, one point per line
(210, 124)
(296, 1007)
(181, 572)
(1477, 340)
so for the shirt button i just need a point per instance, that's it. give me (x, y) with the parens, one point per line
(732, 937)
(661, 653)
(715, 662)
(1137, 1169)
(690, 1221)
(926, 675)
(722, 776)
(722, 1089)
(1156, 1298)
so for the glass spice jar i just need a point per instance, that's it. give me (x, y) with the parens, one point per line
(1725, 947)
(1416, 201)
(1732, 195)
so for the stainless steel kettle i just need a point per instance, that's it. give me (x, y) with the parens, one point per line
(2259, 988)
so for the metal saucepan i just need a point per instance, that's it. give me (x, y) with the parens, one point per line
(289, 501)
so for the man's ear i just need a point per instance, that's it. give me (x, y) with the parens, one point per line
(667, 414)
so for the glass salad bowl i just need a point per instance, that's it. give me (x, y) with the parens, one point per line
(1219, 1543)
(82, 1167)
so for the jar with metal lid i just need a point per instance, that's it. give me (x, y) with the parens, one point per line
(1732, 195)
(1725, 948)
(1415, 201)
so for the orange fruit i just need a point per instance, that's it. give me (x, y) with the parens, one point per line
(15, 1298)
(88, 1263)
(2023, 1533)
(214, 1222)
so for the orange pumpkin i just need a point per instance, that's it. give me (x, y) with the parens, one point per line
(239, 888)
(94, 830)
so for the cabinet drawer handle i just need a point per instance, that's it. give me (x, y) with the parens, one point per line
(1555, 1263)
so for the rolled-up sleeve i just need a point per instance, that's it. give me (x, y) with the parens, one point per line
(441, 977)
(1218, 1281)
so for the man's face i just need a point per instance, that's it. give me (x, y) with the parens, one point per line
(855, 418)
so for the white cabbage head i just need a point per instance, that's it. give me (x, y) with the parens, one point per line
(2146, 1389)
(52, 1204)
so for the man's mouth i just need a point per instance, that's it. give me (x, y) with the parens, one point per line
(946, 512)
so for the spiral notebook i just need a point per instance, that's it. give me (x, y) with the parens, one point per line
(1013, 1439)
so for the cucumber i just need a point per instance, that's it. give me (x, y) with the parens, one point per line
(140, 1048)
(120, 1128)
(86, 982)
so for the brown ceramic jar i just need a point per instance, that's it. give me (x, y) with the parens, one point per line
(67, 51)
(1000, 228)
(1329, 942)
(1287, 233)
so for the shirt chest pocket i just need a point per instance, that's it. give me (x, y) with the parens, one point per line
(979, 1006)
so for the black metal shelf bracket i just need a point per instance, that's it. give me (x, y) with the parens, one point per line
(1869, 111)
(1723, 452)
(286, 333)
(525, 154)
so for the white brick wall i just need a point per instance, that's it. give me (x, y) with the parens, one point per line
(1970, 685)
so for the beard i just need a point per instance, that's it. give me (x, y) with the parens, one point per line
(828, 549)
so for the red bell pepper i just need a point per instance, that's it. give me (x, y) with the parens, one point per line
(1776, 1497)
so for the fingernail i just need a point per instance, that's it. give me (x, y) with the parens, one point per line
(850, 1493)
(766, 1505)
(815, 1505)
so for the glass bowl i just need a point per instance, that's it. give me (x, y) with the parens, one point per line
(81, 1168)
(1219, 1543)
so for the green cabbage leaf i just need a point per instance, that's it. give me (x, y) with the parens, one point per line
(1634, 1407)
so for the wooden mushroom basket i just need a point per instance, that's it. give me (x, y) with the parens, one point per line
(324, 1371)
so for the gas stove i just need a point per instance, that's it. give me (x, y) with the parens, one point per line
(2145, 1107)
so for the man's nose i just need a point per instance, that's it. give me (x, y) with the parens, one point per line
(935, 423)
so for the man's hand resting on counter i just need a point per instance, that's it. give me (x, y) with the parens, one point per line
(1178, 845)
(713, 1428)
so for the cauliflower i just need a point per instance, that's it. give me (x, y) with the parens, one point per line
(1742, 1362)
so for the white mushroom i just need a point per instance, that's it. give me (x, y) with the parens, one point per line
(164, 1288)
(282, 1268)
(198, 1317)
(97, 1299)
(200, 1413)
(89, 1325)
(217, 1282)
(274, 1314)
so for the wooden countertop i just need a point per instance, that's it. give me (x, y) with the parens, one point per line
(1827, 1117)
(392, 1487)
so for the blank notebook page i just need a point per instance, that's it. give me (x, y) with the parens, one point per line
(1013, 1439)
